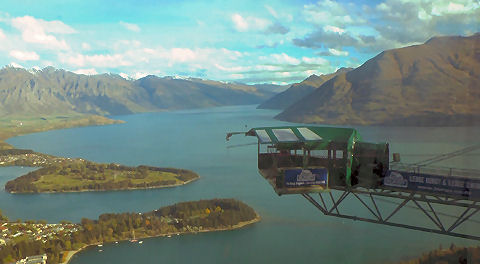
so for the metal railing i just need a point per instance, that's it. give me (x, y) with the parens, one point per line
(436, 170)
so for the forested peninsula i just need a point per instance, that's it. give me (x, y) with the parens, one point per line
(452, 254)
(180, 218)
(58, 174)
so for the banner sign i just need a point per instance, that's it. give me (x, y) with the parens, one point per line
(435, 184)
(306, 177)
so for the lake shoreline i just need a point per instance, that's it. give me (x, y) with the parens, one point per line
(234, 227)
(4, 146)
(115, 190)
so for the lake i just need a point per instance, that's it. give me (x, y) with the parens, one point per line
(291, 230)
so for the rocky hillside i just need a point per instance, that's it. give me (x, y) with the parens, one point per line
(298, 90)
(436, 83)
(52, 91)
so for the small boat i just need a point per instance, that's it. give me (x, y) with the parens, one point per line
(140, 242)
(100, 250)
(178, 234)
(100, 245)
(169, 236)
(116, 242)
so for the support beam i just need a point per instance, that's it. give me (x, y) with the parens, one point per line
(438, 227)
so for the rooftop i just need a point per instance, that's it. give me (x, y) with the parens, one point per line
(312, 136)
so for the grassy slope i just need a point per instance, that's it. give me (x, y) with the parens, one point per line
(55, 181)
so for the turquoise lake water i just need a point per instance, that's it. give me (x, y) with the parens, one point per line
(291, 230)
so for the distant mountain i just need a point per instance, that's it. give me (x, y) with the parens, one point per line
(436, 83)
(298, 90)
(169, 93)
(272, 87)
(54, 91)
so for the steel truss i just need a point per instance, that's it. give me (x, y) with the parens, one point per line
(374, 195)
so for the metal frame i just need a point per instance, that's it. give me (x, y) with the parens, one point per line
(439, 227)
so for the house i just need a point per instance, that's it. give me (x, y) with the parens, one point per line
(39, 259)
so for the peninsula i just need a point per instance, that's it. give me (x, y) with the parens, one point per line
(75, 175)
(60, 174)
(452, 254)
(59, 241)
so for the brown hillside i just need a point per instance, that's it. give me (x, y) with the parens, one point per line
(436, 83)
(298, 90)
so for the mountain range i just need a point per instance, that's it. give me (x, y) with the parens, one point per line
(298, 90)
(54, 91)
(436, 83)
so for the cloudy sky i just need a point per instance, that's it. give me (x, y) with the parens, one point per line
(248, 41)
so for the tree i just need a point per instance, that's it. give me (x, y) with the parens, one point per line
(68, 245)
(2, 217)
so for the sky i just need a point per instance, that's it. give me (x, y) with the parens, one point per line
(246, 41)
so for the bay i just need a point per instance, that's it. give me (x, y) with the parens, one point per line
(291, 229)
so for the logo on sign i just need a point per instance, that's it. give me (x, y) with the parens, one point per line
(306, 175)
(395, 179)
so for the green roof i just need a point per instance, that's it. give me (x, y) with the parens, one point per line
(312, 137)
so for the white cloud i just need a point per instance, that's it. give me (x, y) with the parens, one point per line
(282, 58)
(336, 52)
(386, 25)
(440, 8)
(182, 55)
(415, 21)
(311, 72)
(315, 60)
(130, 26)
(271, 11)
(429, 9)
(231, 69)
(328, 12)
(283, 74)
(268, 67)
(126, 44)
(24, 55)
(86, 46)
(35, 31)
(237, 76)
(90, 71)
(333, 29)
(240, 23)
(2, 35)
(243, 24)
(97, 60)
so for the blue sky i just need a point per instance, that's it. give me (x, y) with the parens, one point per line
(246, 41)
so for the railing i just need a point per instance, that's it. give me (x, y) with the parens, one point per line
(436, 170)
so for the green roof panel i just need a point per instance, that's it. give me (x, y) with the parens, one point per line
(312, 137)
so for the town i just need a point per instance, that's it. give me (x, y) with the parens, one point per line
(29, 158)
(11, 232)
